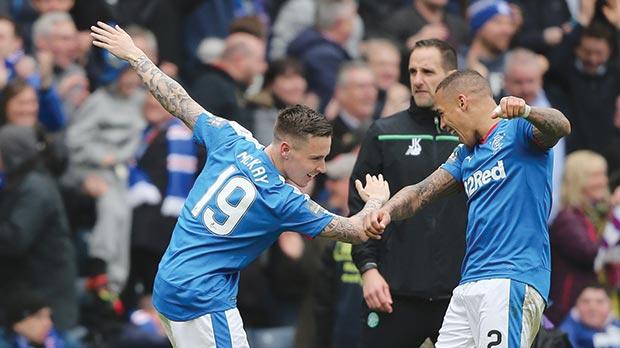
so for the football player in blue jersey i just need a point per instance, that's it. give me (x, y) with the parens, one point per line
(244, 198)
(505, 167)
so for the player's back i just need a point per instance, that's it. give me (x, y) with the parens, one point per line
(238, 206)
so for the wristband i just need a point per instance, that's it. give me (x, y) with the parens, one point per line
(527, 111)
(367, 266)
(525, 114)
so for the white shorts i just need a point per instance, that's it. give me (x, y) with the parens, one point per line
(492, 313)
(213, 330)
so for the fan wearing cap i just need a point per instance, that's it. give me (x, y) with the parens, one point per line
(27, 321)
(492, 25)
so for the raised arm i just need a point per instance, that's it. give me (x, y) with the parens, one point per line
(351, 230)
(166, 90)
(410, 199)
(550, 125)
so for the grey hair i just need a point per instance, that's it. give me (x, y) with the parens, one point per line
(43, 25)
(343, 72)
(521, 56)
(328, 12)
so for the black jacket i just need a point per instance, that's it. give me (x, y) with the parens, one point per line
(420, 256)
(36, 247)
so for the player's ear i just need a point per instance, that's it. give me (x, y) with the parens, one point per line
(461, 101)
(285, 149)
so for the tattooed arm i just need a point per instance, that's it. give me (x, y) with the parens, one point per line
(166, 90)
(550, 125)
(410, 199)
(351, 230)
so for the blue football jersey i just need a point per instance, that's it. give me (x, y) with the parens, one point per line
(237, 208)
(507, 179)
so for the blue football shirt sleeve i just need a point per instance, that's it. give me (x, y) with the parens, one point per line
(301, 214)
(211, 131)
(453, 163)
(525, 135)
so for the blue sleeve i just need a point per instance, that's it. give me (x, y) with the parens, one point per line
(303, 215)
(212, 132)
(453, 163)
(525, 135)
(51, 113)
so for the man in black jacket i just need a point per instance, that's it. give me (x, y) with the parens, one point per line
(408, 276)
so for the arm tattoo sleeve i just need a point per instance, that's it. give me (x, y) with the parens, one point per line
(350, 230)
(167, 91)
(550, 125)
(412, 198)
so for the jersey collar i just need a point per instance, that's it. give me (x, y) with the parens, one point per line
(483, 140)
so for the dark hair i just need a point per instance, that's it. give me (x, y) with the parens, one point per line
(16, 27)
(447, 52)
(600, 30)
(596, 286)
(300, 121)
(281, 67)
(466, 80)
(9, 92)
(252, 25)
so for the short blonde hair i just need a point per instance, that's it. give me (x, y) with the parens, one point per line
(578, 168)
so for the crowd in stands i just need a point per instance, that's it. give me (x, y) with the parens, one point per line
(94, 172)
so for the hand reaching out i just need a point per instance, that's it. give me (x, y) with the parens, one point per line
(115, 40)
(376, 188)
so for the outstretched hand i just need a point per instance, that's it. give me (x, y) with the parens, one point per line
(376, 188)
(115, 40)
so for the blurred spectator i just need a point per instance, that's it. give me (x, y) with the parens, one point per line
(102, 138)
(575, 234)
(337, 292)
(590, 82)
(338, 299)
(56, 39)
(523, 77)
(19, 105)
(374, 13)
(148, 14)
(383, 58)
(545, 23)
(590, 323)
(284, 85)
(160, 180)
(297, 15)
(404, 305)
(492, 26)
(144, 329)
(293, 17)
(221, 84)
(322, 48)
(28, 322)
(423, 19)
(206, 19)
(272, 289)
(356, 98)
(35, 245)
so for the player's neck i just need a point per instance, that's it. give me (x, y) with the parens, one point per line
(270, 150)
(486, 123)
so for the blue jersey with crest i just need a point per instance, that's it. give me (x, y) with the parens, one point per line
(507, 179)
(237, 208)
